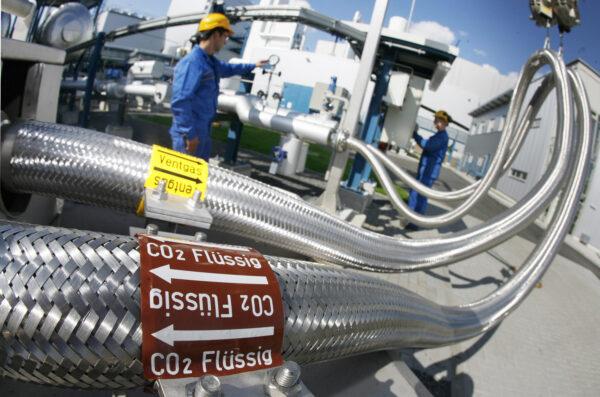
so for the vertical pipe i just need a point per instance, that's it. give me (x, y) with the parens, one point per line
(329, 198)
(89, 86)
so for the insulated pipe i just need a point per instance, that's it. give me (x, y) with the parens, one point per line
(112, 88)
(250, 111)
(140, 89)
(70, 312)
(535, 62)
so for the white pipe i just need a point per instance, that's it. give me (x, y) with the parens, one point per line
(305, 127)
(112, 88)
(140, 89)
(20, 8)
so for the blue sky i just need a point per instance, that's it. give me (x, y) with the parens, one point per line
(498, 33)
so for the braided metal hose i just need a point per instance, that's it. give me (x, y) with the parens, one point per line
(517, 139)
(98, 169)
(69, 302)
(70, 315)
(513, 128)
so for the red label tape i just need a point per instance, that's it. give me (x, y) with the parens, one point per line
(207, 309)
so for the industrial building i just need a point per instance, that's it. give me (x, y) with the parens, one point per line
(532, 161)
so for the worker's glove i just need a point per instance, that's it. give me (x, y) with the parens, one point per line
(191, 145)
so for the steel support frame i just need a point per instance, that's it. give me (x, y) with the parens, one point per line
(361, 169)
(329, 199)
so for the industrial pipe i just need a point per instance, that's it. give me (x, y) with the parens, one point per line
(58, 160)
(70, 310)
(250, 111)
(535, 62)
(148, 90)
(517, 139)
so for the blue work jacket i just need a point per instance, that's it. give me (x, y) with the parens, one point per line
(434, 153)
(196, 91)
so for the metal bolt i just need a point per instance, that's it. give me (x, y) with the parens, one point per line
(152, 229)
(208, 386)
(195, 200)
(161, 190)
(288, 374)
(200, 236)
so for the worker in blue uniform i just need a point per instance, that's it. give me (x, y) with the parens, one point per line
(430, 164)
(196, 86)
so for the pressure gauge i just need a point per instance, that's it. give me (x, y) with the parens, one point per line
(273, 60)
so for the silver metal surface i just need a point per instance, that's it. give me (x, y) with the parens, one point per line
(69, 308)
(208, 386)
(172, 208)
(285, 382)
(68, 25)
(250, 111)
(59, 161)
(329, 198)
(511, 129)
(517, 138)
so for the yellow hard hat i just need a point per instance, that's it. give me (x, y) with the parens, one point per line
(213, 21)
(443, 115)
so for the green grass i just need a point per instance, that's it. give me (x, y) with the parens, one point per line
(403, 193)
(158, 119)
(261, 141)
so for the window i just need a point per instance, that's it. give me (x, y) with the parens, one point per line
(501, 121)
(518, 174)
(490, 126)
(474, 128)
(481, 128)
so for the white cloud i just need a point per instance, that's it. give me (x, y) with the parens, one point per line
(513, 76)
(490, 67)
(462, 33)
(434, 31)
(428, 29)
(480, 52)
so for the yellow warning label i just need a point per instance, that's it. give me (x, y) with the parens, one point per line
(183, 174)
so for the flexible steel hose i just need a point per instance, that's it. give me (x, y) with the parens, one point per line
(516, 141)
(536, 61)
(69, 303)
(98, 169)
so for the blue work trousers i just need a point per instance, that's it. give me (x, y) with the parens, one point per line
(418, 202)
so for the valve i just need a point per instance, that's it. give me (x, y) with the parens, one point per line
(278, 156)
(547, 13)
